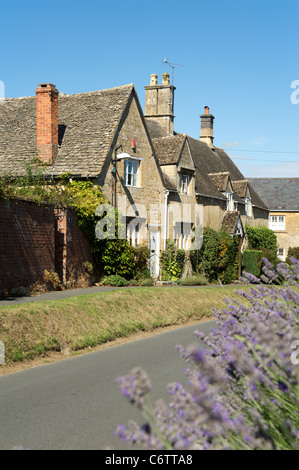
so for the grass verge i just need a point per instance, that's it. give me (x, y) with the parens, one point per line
(33, 329)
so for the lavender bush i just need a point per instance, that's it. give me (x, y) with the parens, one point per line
(242, 388)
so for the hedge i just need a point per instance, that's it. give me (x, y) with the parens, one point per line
(251, 262)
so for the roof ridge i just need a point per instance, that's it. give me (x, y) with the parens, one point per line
(178, 137)
(62, 94)
(95, 92)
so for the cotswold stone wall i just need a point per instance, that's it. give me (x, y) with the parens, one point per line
(289, 237)
(148, 194)
(37, 237)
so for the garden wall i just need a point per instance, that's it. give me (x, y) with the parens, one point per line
(37, 237)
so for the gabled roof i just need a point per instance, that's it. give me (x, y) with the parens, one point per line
(87, 125)
(278, 193)
(168, 149)
(216, 160)
(232, 222)
(220, 180)
(240, 187)
(207, 161)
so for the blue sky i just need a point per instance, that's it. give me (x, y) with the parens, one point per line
(237, 57)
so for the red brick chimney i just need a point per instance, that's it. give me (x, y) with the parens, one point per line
(47, 122)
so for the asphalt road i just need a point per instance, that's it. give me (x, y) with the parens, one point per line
(64, 294)
(74, 404)
(54, 295)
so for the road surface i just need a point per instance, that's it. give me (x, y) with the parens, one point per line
(74, 404)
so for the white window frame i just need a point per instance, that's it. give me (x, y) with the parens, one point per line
(248, 207)
(131, 175)
(185, 183)
(277, 223)
(281, 254)
(229, 201)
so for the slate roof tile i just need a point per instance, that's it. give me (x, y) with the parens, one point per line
(278, 193)
(87, 122)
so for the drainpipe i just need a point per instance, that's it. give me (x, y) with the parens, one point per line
(165, 216)
(114, 170)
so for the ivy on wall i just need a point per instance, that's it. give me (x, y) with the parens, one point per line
(114, 256)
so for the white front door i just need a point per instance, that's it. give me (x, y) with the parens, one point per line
(154, 252)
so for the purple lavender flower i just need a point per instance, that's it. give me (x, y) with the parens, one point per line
(242, 388)
(135, 386)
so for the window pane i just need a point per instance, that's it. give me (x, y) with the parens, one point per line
(184, 183)
(131, 170)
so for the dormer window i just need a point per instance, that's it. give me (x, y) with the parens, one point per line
(131, 172)
(185, 183)
(248, 207)
(229, 201)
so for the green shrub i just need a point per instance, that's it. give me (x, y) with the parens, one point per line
(196, 260)
(228, 257)
(210, 253)
(88, 267)
(171, 269)
(117, 257)
(141, 261)
(147, 282)
(293, 253)
(180, 257)
(115, 280)
(197, 280)
(51, 278)
(264, 239)
(218, 257)
(251, 262)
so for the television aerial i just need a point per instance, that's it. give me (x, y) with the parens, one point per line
(172, 65)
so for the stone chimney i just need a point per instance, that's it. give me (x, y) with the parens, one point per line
(159, 102)
(47, 122)
(206, 134)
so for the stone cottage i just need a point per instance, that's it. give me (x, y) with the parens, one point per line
(164, 183)
(195, 170)
(282, 197)
(101, 136)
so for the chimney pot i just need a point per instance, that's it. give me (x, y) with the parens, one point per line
(154, 79)
(165, 79)
(159, 103)
(207, 109)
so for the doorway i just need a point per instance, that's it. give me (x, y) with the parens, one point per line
(154, 252)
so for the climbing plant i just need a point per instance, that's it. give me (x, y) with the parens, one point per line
(112, 253)
(171, 262)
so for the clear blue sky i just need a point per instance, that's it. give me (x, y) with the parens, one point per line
(239, 57)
